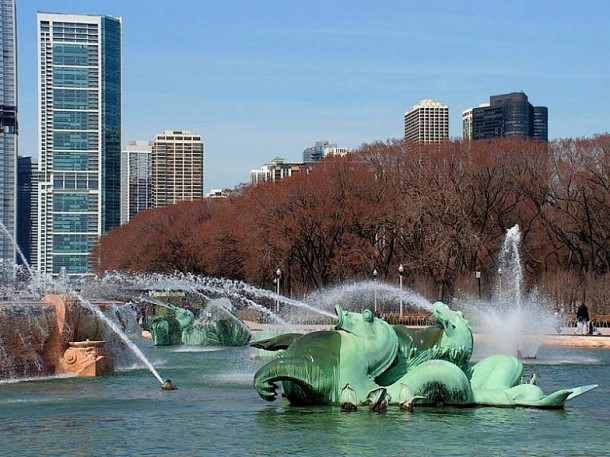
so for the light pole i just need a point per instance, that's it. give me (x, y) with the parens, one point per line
(375, 288)
(500, 282)
(401, 272)
(278, 277)
(477, 274)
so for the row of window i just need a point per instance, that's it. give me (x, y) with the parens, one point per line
(84, 99)
(75, 202)
(75, 120)
(75, 161)
(75, 181)
(75, 141)
(75, 223)
(74, 264)
(75, 77)
(75, 54)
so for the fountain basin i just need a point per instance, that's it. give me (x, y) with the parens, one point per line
(53, 336)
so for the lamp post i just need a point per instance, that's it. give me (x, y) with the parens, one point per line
(278, 276)
(477, 274)
(401, 272)
(375, 288)
(500, 281)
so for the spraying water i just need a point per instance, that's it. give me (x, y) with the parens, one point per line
(135, 349)
(14, 243)
(63, 285)
(514, 323)
(510, 271)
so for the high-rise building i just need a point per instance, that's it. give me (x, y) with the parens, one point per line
(8, 131)
(541, 123)
(24, 208)
(34, 211)
(177, 167)
(323, 149)
(427, 122)
(79, 61)
(136, 179)
(508, 115)
(278, 169)
(467, 124)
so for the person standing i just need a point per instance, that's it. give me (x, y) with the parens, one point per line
(582, 320)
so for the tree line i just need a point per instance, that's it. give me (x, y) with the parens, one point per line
(440, 210)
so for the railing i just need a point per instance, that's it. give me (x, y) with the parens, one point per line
(410, 320)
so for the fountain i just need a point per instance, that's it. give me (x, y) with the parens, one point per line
(394, 365)
(430, 367)
(512, 322)
(58, 337)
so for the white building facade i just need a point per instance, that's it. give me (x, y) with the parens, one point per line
(177, 167)
(427, 122)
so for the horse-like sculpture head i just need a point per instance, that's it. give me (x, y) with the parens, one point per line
(373, 338)
(457, 336)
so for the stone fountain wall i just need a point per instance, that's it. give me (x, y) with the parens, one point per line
(25, 332)
(34, 336)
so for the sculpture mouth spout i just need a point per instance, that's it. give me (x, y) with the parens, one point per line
(340, 318)
(168, 385)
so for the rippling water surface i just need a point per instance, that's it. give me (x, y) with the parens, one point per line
(216, 411)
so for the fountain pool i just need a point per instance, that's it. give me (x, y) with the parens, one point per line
(216, 411)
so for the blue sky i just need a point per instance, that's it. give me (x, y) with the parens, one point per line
(261, 79)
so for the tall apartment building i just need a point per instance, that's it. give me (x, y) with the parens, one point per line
(467, 124)
(8, 131)
(277, 170)
(427, 122)
(506, 115)
(136, 179)
(34, 211)
(323, 149)
(79, 61)
(177, 167)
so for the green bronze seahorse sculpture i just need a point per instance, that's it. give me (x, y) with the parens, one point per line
(367, 353)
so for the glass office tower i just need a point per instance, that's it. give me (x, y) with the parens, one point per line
(79, 60)
(8, 133)
(507, 115)
(136, 179)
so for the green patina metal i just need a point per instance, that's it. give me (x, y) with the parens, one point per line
(179, 326)
(364, 354)
(219, 332)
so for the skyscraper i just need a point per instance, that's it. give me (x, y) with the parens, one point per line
(279, 169)
(467, 124)
(79, 61)
(24, 207)
(8, 130)
(427, 122)
(322, 149)
(136, 179)
(508, 115)
(177, 167)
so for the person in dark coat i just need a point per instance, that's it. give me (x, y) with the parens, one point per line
(582, 319)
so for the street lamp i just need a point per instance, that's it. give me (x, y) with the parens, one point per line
(401, 272)
(500, 281)
(477, 274)
(375, 288)
(278, 276)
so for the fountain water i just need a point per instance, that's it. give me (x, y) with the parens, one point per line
(357, 296)
(119, 332)
(512, 322)
(19, 252)
(60, 285)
